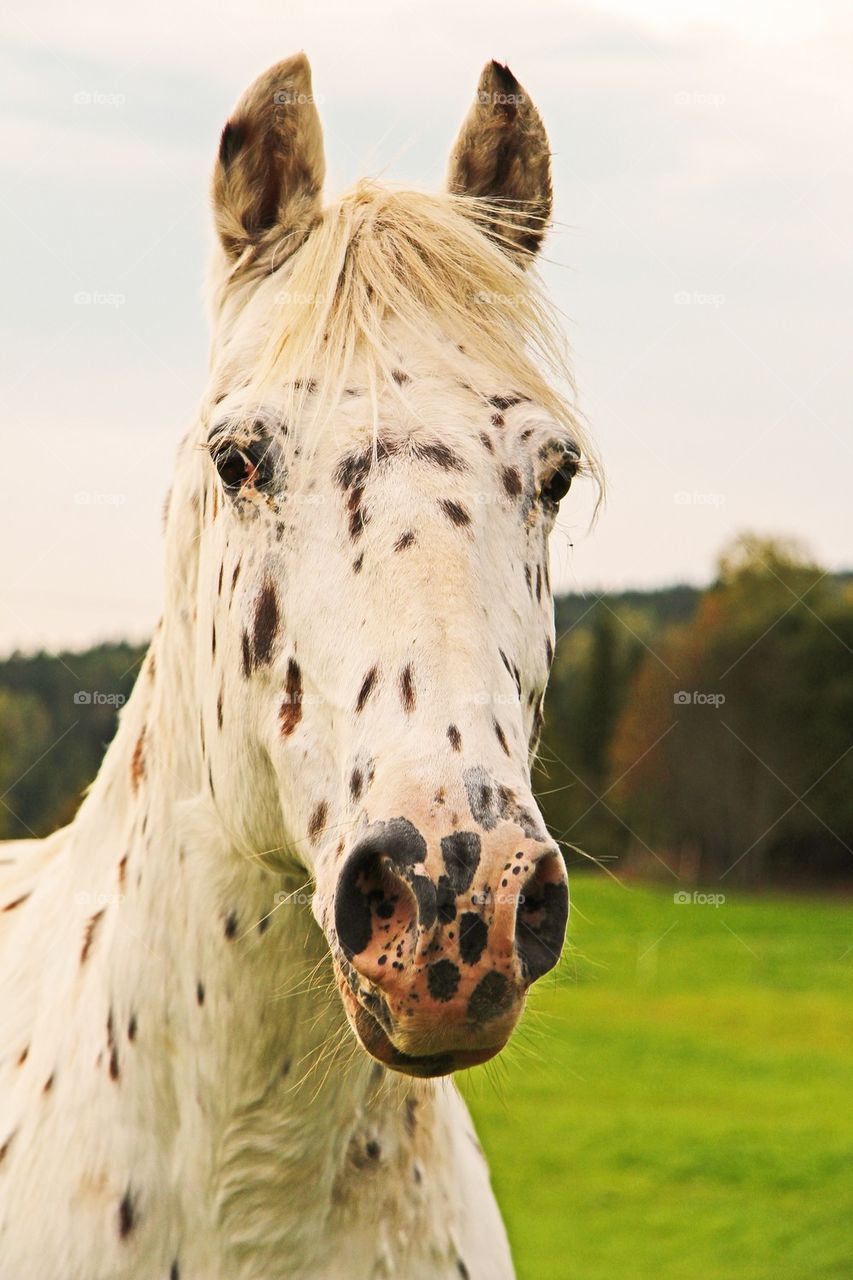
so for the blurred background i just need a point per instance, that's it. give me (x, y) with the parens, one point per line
(678, 1102)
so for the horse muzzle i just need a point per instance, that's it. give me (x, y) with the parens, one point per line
(436, 947)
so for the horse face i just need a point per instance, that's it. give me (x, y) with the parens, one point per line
(374, 582)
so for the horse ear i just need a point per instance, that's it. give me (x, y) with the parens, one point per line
(270, 168)
(502, 155)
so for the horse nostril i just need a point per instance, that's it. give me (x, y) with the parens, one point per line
(377, 903)
(543, 911)
(368, 894)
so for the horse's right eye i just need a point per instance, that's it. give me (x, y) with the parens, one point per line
(235, 468)
(243, 465)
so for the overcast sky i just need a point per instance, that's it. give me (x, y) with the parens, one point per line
(703, 260)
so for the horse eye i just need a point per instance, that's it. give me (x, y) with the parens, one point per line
(234, 467)
(560, 481)
(239, 465)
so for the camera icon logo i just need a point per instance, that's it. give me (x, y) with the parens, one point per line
(681, 698)
(82, 698)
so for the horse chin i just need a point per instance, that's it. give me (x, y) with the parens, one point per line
(376, 1041)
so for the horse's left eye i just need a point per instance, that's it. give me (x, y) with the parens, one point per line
(559, 482)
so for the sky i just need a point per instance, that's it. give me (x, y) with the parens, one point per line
(702, 258)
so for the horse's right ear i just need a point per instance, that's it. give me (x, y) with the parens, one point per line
(269, 171)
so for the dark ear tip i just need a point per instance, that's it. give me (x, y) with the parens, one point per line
(503, 77)
(233, 137)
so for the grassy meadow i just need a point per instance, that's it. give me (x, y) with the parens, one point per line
(678, 1104)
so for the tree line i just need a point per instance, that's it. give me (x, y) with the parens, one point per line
(699, 733)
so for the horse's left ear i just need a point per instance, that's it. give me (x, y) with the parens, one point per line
(269, 171)
(502, 155)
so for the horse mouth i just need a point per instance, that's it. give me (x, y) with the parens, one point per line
(376, 1041)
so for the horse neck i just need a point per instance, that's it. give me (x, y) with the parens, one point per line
(207, 974)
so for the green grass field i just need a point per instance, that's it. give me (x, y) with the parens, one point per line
(678, 1104)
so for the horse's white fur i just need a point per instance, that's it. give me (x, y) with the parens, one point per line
(169, 1095)
(244, 1172)
(247, 1173)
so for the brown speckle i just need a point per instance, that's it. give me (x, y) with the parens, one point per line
(506, 402)
(455, 512)
(501, 737)
(291, 708)
(17, 902)
(511, 478)
(441, 455)
(317, 822)
(266, 625)
(137, 762)
(126, 1214)
(89, 935)
(366, 689)
(407, 689)
(358, 521)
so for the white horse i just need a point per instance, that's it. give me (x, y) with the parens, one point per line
(322, 778)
